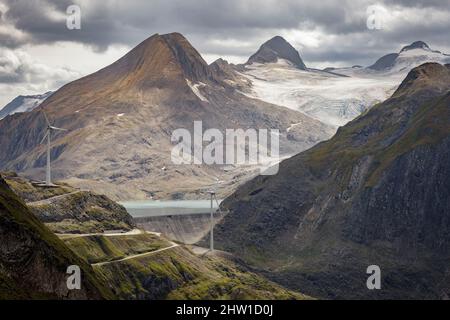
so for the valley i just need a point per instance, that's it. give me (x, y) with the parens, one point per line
(363, 179)
(130, 263)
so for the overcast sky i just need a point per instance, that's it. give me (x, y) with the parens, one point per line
(39, 53)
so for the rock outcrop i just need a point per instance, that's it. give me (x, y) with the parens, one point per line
(64, 209)
(277, 48)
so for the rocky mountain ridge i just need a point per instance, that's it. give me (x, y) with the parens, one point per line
(408, 57)
(275, 49)
(377, 193)
(120, 120)
(23, 104)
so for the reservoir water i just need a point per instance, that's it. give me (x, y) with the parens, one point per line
(154, 208)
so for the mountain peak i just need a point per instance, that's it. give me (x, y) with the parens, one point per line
(416, 45)
(158, 58)
(194, 66)
(274, 49)
(410, 56)
(23, 103)
(429, 76)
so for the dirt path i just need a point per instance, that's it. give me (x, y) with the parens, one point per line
(64, 236)
(174, 245)
(132, 232)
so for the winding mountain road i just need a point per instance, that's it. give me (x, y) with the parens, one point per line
(174, 245)
(132, 232)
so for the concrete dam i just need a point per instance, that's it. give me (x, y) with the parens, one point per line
(182, 221)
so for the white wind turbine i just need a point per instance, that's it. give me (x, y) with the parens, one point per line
(212, 193)
(48, 133)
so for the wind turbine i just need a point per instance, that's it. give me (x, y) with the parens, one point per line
(48, 133)
(212, 193)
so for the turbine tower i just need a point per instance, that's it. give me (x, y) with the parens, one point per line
(212, 193)
(48, 133)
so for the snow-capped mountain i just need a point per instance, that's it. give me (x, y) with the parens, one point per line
(335, 96)
(330, 98)
(409, 57)
(23, 104)
(120, 122)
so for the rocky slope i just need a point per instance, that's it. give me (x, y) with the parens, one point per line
(377, 193)
(120, 120)
(64, 209)
(82, 212)
(33, 261)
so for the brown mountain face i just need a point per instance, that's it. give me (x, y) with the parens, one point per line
(120, 120)
(377, 193)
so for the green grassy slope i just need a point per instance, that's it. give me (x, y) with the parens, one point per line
(33, 261)
(98, 248)
(175, 273)
(179, 274)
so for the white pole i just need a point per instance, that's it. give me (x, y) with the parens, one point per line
(48, 174)
(211, 239)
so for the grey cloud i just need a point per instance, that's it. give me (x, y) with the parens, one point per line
(251, 22)
(420, 3)
(125, 22)
(18, 67)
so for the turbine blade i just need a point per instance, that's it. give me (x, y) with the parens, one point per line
(45, 116)
(55, 128)
(45, 136)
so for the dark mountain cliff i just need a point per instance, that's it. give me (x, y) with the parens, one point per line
(33, 261)
(277, 48)
(377, 193)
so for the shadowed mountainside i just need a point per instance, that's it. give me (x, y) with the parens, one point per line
(378, 193)
(274, 49)
(33, 261)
